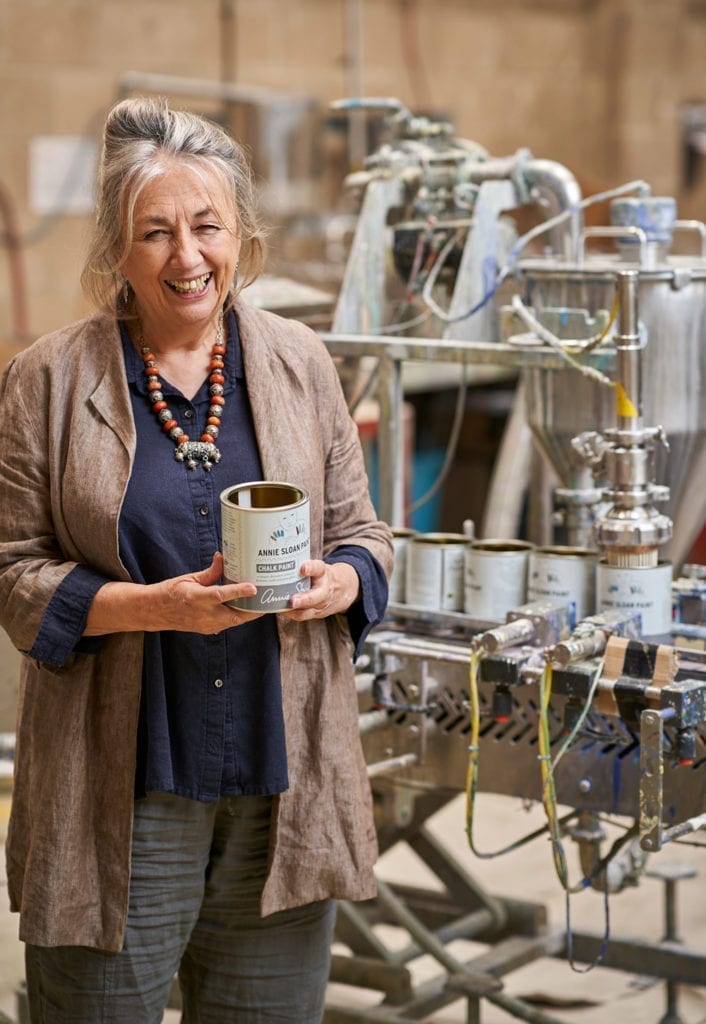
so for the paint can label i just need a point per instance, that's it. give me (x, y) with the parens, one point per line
(646, 590)
(434, 577)
(266, 540)
(566, 575)
(400, 542)
(495, 578)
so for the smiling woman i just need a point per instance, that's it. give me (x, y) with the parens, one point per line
(179, 802)
(179, 269)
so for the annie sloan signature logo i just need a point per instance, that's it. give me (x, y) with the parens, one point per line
(271, 596)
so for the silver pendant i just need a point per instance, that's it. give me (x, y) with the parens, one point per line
(195, 453)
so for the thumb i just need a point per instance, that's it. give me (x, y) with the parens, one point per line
(212, 575)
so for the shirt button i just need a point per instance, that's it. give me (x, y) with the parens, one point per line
(218, 683)
(203, 511)
(189, 413)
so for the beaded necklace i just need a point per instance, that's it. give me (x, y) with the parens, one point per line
(204, 451)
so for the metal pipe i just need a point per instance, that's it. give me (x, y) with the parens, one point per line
(437, 350)
(432, 945)
(546, 180)
(620, 872)
(391, 446)
(418, 648)
(391, 765)
(629, 352)
(228, 53)
(371, 721)
(353, 41)
(556, 184)
(516, 632)
(13, 244)
(205, 88)
(578, 648)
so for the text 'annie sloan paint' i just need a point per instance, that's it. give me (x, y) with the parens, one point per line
(266, 540)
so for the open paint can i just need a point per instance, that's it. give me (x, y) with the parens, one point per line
(400, 542)
(495, 578)
(434, 576)
(265, 541)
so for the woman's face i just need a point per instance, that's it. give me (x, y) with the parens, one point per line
(183, 256)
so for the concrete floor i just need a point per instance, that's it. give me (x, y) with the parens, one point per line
(598, 996)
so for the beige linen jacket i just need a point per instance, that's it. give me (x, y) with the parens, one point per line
(67, 441)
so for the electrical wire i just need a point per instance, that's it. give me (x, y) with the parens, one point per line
(472, 770)
(549, 802)
(579, 723)
(524, 240)
(451, 445)
(555, 343)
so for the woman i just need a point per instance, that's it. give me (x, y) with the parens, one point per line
(190, 792)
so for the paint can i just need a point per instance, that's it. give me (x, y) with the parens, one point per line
(265, 528)
(434, 575)
(646, 590)
(495, 578)
(566, 575)
(400, 543)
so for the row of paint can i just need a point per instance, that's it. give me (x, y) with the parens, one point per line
(487, 578)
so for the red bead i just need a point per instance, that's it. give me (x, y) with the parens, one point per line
(216, 377)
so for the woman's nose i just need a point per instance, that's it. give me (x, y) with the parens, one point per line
(186, 252)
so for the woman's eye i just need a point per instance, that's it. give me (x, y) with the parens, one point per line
(155, 235)
(208, 228)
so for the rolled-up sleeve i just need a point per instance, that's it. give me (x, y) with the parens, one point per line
(64, 620)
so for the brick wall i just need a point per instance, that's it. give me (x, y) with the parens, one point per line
(594, 84)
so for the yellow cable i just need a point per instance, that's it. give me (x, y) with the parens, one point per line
(474, 718)
(545, 767)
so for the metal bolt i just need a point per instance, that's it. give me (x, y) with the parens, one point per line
(585, 786)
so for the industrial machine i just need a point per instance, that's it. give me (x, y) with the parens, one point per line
(587, 694)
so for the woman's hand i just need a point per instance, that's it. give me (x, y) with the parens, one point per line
(193, 603)
(334, 588)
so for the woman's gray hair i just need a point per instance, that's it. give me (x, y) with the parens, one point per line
(140, 139)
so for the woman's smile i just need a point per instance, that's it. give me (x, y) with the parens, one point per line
(183, 254)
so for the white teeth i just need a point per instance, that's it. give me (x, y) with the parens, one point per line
(196, 285)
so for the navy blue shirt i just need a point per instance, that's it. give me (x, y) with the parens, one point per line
(211, 718)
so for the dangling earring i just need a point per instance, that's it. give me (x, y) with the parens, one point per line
(235, 277)
(126, 294)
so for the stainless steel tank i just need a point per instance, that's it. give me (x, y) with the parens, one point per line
(672, 313)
